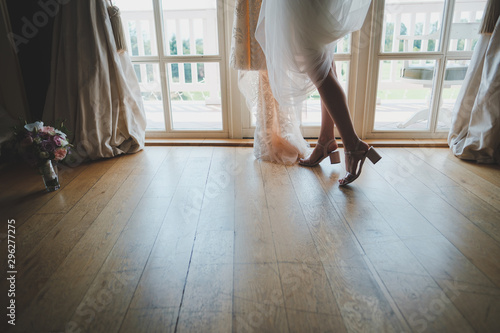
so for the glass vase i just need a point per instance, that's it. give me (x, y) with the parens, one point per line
(50, 175)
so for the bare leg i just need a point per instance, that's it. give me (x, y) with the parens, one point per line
(326, 135)
(335, 101)
(326, 132)
(333, 97)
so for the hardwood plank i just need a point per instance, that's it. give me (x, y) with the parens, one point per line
(344, 261)
(68, 196)
(389, 256)
(29, 235)
(105, 303)
(480, 248)
(28, 194)
(253, 237)
(209, 239)
(441, 259)
(480, 305)
(258, 304)
(362, 302)
(467, 179)
(424, 305)
(92, 249)
(44, 259)
(333, 242)
(102, 235)
(208, 289)
(58, 291)
(31, 232)
(470, 205)
(489, 172)
(219, 197)
(207, 299)
(122, 269)
(309, 301)
(287, 220)
(149, 320)
(204, 322)
(164, 278)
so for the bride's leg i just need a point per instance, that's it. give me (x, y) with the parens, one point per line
(326, 136)
(335, 100)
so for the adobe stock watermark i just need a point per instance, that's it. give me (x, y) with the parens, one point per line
(420, 320)
(97, 302)
(31, 26)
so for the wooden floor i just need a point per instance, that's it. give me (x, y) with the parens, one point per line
(207, 239)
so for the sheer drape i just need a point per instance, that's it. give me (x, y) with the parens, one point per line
(475, 130)
(93, 87)
(277, 134)
(299, 37)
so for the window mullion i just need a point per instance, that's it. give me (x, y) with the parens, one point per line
(373, 60)
(158, 14)
(447, 23)
(441, 64)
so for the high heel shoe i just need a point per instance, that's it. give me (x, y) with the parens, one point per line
(334, 155)
(372, 155)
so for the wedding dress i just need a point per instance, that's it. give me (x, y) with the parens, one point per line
(298, 39)
(277, 136)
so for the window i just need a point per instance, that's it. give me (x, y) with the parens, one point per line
(311, 110)
(178, 54)
(422, 51)
(402, 72)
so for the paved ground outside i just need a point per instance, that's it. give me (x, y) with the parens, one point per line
(198, 116)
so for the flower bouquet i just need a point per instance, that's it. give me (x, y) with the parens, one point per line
(43, 146)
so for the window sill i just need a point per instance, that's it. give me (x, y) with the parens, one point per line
(434, 143)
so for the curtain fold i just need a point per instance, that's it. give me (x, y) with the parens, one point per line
(475, 129)
(277, 135)
(93, 88)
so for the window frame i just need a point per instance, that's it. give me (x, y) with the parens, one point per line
(163, 60)
(374, 56)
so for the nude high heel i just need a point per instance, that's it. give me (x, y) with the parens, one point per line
(334, 156)
(371, 154)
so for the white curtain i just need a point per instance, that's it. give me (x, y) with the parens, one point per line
(93, 87)
(475, 130)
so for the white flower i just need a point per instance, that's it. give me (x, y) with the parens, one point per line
(37, 124)
(61, 134)
(44, 154)
(64, 143)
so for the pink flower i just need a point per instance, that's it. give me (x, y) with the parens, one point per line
(49, 130)
(57, 140)
(60, 154)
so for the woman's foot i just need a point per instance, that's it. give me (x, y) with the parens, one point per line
(321, 151)
(354, 160)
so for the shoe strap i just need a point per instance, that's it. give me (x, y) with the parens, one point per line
(325, 146)
(357, 152)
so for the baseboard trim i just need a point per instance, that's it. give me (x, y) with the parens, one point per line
(431, 143)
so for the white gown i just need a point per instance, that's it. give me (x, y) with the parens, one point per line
(298, 38)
